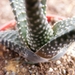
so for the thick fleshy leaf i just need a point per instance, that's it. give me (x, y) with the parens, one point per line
(57, 46)
(43, 5)
(20, 16)
(64, 26)
(39, 31)
(64, 34)
(10, 40)
(10, 35)
(42, 29)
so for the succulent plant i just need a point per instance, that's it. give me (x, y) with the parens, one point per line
(34, 38)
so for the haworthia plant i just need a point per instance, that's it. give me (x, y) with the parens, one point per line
(41, 42)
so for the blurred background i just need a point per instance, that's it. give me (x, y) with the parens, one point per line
(58, 7)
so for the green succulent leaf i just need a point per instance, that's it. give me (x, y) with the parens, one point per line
(10, 40)
(64, 26)
(39, 31)
(36, 33)
(64, 34)
(43, 5)
(20, 16)
(10, 35)
(38, 23)
(57, 47)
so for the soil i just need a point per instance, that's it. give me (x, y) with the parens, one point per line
(12, 64)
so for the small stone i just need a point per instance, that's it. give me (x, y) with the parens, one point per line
(64, 71)
(55, 68)
(30, 71)
(50, 70)
(58, 62)
(13, 73)
(6, 61)
(7, 73)
(33, 66)
(37, 73)
(23, 70)
(17, 66)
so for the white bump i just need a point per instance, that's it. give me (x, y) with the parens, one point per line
(51, 47)
(43, 50)
(47, 48)
(49, 52)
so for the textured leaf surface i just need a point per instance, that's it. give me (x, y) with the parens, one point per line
(64, 34)
(10, 35)
(43, 5)
(64, 26)
(38, 34)
(20, 15)
(39, 31)
(10, 40)
(54, 47)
